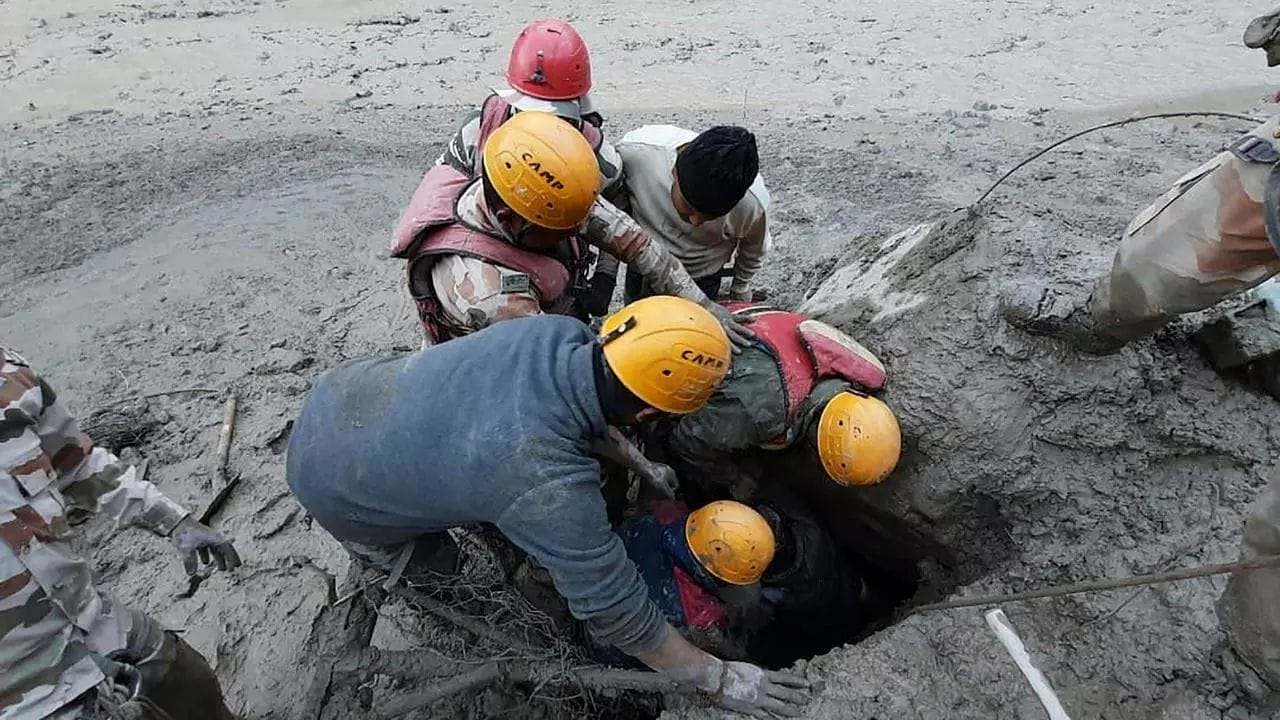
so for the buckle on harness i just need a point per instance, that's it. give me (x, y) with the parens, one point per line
(1254, 149)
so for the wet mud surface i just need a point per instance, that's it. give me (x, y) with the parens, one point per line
(203, 241)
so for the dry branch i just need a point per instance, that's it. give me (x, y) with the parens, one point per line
(444, 612)
(590, 678)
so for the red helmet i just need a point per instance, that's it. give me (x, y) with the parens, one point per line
(550, 61)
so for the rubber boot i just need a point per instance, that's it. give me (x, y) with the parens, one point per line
(1043, 312)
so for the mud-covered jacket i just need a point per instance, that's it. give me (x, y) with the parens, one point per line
(493, 428)
(773, 391)
(810, 588)
(52, 618)
(677, 582)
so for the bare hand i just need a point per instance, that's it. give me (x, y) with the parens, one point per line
(196, 541)
(760, 693)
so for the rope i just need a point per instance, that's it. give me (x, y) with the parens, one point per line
(1258, 563)
(1104, 126)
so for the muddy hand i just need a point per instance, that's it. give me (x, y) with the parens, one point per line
(662, 478)
(740, 336)
(759, 693)
(200, 544)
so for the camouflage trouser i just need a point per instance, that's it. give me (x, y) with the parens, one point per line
(1250, 608)
(1201, 242)
(157, 677)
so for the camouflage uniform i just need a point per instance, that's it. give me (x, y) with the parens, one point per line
(55, 627)
(474, 293)
(1201, 242)
(1249, 610)
(461, 154)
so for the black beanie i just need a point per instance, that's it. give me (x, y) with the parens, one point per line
(717, 168)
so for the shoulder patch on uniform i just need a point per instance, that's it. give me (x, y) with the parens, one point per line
(516, 283)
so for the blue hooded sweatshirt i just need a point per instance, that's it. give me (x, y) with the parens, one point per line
(489, 428)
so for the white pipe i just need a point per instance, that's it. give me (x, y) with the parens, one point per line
(999, 624)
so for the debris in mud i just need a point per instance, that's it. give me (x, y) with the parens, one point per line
(283, 360)
(122, 425)
(1246, 334)
(399, 20)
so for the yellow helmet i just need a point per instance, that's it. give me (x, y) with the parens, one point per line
(543, 169)
(732, 541)
(859, 440)
(671, 353)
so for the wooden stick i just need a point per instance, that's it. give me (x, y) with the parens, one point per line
(1258, 563)
(470, 680)
(181, 391)
(224, 437)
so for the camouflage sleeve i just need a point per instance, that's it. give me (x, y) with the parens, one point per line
(616, 233)
(40, 439)
(460, 153)
(612, 187)
(475, 294)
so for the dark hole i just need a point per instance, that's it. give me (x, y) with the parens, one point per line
(867, 573)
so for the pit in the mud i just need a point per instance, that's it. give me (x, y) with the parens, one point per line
(874, 590)
(843, 567)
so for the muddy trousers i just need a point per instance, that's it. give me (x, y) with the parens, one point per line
(1249, 609)
(158, 676)
(429, 553)
(1201, 242)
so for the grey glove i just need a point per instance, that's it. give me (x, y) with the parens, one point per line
(195, 540)
(740, 336)
(661, 478)
(760, 693)
(1263, 33)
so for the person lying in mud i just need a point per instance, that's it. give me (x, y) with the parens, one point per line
(495, 428)
(764, 583)
(67, 649)
(802, 386)
(700, 195)
(513, 241)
